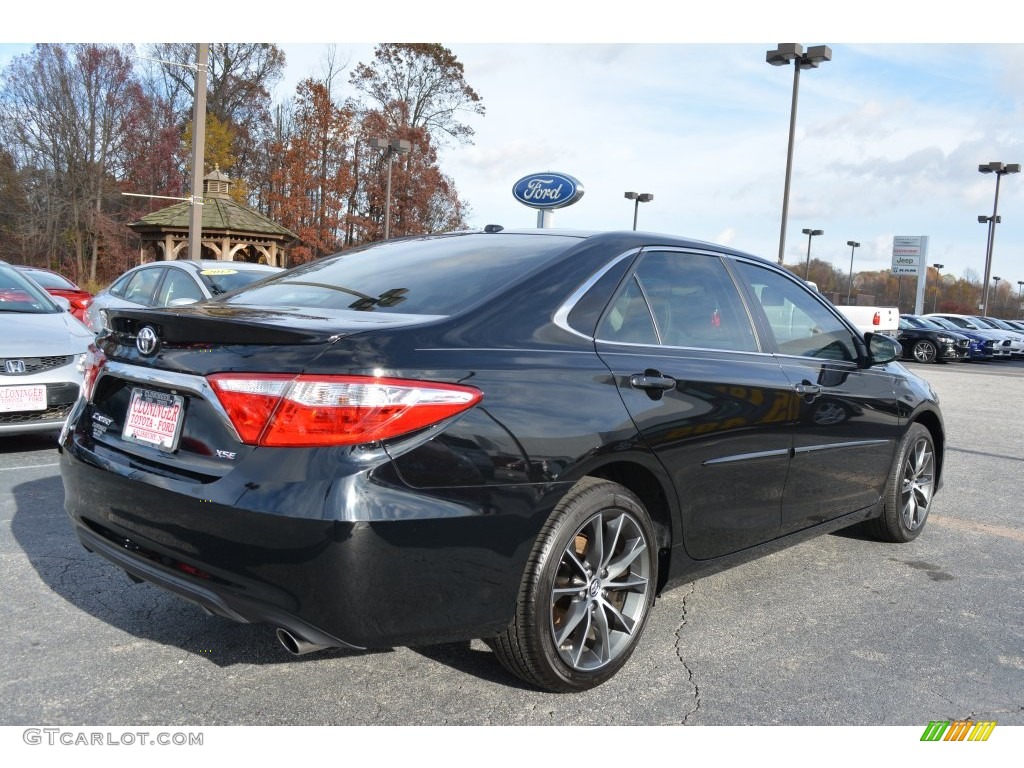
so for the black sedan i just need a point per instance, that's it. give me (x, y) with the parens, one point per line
(925, 343)
(517, 436)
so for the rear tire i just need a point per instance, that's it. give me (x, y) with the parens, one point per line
(908, 492)
(587, 591)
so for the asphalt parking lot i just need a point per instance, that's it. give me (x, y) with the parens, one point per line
(840, 630)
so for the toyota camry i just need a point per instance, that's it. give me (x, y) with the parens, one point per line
(520, 436)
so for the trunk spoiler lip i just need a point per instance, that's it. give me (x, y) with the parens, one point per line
(250, 324)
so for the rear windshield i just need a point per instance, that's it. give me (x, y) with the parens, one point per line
(51, 280)
(433, 276)
(224, 279)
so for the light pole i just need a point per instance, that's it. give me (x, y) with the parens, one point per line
(995, 289)
(1020, 291)
(391, 148)
(938, 282)
(810, 233)
(780, 57)
(1000, 170)
(853, 245)
(638, 197)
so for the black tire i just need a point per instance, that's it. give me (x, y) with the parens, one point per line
(583, 605)
(909, 490)
(924, 351)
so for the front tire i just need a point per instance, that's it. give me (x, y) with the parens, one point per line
(587, 592)
(925, 352)
(909, 490)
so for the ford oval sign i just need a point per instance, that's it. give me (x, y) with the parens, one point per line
(547, 190)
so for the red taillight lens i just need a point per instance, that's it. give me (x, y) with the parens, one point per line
(92, 363)
(283, 410)
(877, 319)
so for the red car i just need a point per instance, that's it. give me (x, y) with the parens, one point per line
(58, 285)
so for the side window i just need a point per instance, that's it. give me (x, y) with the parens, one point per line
(140, 288)
(679, 299)
(800, 323)
(178, 285)
(118, 287)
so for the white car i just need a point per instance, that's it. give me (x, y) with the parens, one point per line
(42, 347)
(173, 283)
(1007, 343)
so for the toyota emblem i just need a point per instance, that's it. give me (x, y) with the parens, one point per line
(147, 341)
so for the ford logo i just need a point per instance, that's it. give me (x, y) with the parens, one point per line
(547, 190)
(147, 341)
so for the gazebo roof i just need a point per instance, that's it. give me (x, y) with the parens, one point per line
(220, 214)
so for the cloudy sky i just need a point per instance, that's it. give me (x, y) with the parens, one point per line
(889, 133)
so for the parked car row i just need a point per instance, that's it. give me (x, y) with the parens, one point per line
(47, 323)
(1007, 340)
(42, 348)
(943, 337)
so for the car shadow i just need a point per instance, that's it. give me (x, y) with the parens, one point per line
(478, 662)
(42, 530)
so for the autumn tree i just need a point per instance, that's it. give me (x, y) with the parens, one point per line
(312, 183)
(66, 113)
(419, 86)
(241, 77)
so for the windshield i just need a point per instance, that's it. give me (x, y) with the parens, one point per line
(19, 294)
(425, 276)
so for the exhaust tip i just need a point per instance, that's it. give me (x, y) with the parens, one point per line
(295, 645)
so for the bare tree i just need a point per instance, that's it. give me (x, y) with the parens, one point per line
(68, 110)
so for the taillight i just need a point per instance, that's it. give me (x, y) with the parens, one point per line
(307, 410)
(92, 363)
(877, 319)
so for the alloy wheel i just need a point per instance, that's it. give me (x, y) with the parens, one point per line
(600, 592)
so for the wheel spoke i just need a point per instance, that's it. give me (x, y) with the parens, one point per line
(620, 621)
(630, 584)
(601, 648)
(620, 564)
(571, 620)
(595, 550)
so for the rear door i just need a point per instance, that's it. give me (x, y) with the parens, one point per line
(714, 408)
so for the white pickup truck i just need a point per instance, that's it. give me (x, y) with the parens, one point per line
(874, 319)
(884, 320)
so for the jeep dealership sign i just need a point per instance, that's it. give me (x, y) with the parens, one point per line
(909, 254)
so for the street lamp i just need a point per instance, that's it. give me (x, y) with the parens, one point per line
(1020, 290)
(638, 197)
(810, 233)
(780, 57)
(391, 148)
(995, 289)
(938, 282)
(853, 245)
(1000, 170)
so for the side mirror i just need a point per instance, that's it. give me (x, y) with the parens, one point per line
(882, 349)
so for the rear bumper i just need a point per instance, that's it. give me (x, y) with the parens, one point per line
(359, 561)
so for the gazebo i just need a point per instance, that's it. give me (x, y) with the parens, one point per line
(230, 232)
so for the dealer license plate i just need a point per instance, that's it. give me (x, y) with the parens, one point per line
(154, 418)
(31, 397)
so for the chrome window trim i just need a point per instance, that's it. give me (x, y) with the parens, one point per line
(561, 316)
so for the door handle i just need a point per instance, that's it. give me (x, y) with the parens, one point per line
(806, 389)
(651, 380)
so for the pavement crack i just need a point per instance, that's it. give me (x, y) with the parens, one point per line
(679, 654)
